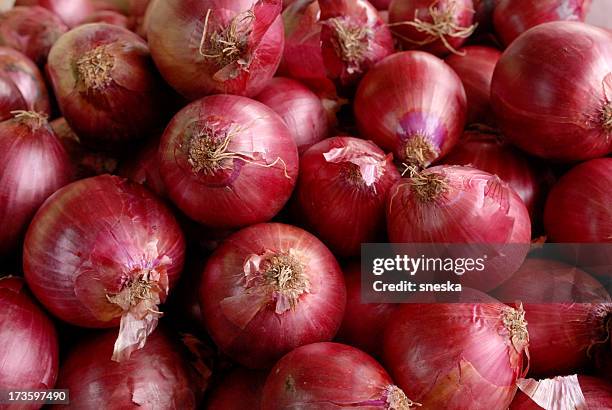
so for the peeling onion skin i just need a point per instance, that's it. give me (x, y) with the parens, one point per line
(412, 100)
(254, 327)
(159, 376)
(552, 92)
(175, 31)
(248, 181)
(322, 376)
(72, 12)
(31, 30)
(29, 355)
(34, 166)
(106, 85)
(511, 18)
(92, 241)
(236, 389)
(337, 200)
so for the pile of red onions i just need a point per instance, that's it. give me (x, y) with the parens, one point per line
(101, 252)
(513, 17)
(29, 354)
(334, 374)
(448, 355)
(475, 66)
(438, 27)
(418, 120)
(268, 289)
(105, 84)
(31, 30)
(341, 192)
(236, 389)
(25, 77)
(553, 104)
(34, 165)
(211, 47)
(228, 161)
(301, 110)
(161, 375)
(72, 12)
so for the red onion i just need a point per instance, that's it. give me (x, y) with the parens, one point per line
(29, 354)
(228, 161)
(31, 30)
(105, 84)
(108, 16)
(569, 392)
(331, 375)
(412, 104)
(268, 289)
(72, 12)
(561, 334)
(475, 66)
(34, 165)
(454, 204)
(381, 4)
(364, 323)
(484, 13)
(236, 389)
(438, 26)
(144, 168)
(10, 98)
(341, 192)
(557, 105)
(221, 46)
(162, 375)
(448, 355)
(101, 250)
(491, 153)
(301, 110)
(513, 17)
(27, 78)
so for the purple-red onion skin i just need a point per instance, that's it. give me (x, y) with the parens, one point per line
(475, 66)
(301, 110)
(511, 18)
(175, 30)
(72, 12)
(34, 166)
(243, 322)
(342, 204)
(159, 376)
(29, 355)
(31, 30)
(106, 85)
(552, 91)
(10, 98)
(108, 16)
(410, 94)
(381, 4)
(250, 187)
(27, 78)
(236, 389)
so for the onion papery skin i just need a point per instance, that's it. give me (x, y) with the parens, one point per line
(237, 388)
(353, 39)
(511, 18)
(144, 168)
(26, 78)
(94, 244)
(342, 191)
(567, 311)
(251, 176)
(72, 12)
(412, 104)
(10, 98)
(567, 392)
(331, 375)
(364, 324)
(254, 319)
(456, 16)
(35, 165)
(158, 376)
(108, 16)
(301, 110)
(447, 355)
(556, 105)
(29, 355)
(489, 152)
(31, 30)
(106, 85)
(467, 206)
(475, 66)
(185, 55)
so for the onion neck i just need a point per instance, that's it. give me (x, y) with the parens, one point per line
(284, 274)
(420, 151)
(351, 41)
(95, 68)
(229, 44)
(396, 399)
(516, 325)
(32, 119)
(208, 150)
(429, 186)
